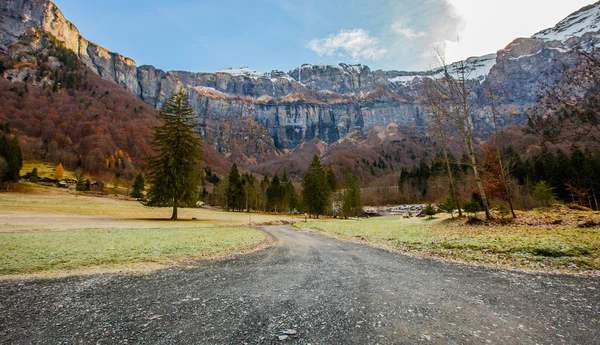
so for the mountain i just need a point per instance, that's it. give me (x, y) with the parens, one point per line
(281, 111)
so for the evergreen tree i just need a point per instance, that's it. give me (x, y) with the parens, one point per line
(264, 186)
(332, 180)
(250, 191)
(10, 151)
(275, 195)
(449, 206)
(138, 187)
(235, 191)
(81, 185)
(543, 192)
(352, 205)
(174, 175)
(315, 192)
(290, 195)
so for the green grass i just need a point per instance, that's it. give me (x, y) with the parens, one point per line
(44, 169)
(58, 251)
(45, 230)
(560, 248)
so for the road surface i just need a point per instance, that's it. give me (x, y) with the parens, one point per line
(306, 289)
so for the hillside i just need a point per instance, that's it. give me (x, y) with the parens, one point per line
(264, 122)
(63, 112)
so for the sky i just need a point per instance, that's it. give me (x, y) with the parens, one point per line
(265, 35)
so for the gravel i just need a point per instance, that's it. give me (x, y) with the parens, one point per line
(306, 289)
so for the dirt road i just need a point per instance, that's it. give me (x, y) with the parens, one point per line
(307, 289)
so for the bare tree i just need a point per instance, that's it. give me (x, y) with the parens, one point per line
(451, 95)
(439, 132)
(503, 170)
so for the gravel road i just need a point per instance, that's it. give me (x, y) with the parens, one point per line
(307, 289)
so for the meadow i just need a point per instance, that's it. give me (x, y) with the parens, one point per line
(51, 231)
(536, 241)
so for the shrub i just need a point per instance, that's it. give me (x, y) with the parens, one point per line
(430, 211)
(501, 210)
(472, 207)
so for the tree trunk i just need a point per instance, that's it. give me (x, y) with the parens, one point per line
(174, 215)
(486, 207)
(453, 190)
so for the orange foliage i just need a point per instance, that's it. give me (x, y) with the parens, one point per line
(59, 172)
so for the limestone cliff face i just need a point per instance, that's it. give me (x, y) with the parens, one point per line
(314, 101)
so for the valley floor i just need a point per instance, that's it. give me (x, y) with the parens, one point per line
(307, 288)
(545, 240)
(53, 232)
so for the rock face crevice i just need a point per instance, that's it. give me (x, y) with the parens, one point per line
(316, 101)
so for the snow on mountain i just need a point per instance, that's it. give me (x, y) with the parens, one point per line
(242, 71)
(250, 73)
(475, 68)
(403, 79)
(577, 24)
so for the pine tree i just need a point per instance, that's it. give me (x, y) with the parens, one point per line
(138, 187)
(332, 180)
(352, 198)
(264, 186)
(10, 151)
(235, 191)
(543, 192)
(275, 195)
(315, 192)
(290, 197)
(174, 175)
(81, 185)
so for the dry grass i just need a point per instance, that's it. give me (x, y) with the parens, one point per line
(44, 229)
(530, 244)
(44, 169)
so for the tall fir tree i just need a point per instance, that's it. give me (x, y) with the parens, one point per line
(332, 181)
(352, 205)
(137, 190)
(290, 197)
(174, 176)
(275, 195)
(315, 189)
(235, 191)
(10, 150)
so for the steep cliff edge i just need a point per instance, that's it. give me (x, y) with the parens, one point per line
(314, 101)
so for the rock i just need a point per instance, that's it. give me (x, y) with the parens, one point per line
(283, 337)
(290, 332)
(311, 101)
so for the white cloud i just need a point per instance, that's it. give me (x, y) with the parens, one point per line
(402, 28)
(490, 25)
(356, 44)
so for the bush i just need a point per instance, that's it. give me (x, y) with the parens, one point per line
(501, 210)
(430, 211)
(449, 206)
(472, 207)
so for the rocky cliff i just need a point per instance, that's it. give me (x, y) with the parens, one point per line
(314, 101)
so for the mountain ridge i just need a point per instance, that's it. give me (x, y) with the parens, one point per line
(312, 101)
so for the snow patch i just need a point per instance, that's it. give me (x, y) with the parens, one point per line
(576, 25)
(403, 79)
(475, 68)
(242, 71)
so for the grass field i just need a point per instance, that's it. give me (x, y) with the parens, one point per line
(44, 169)
(564, 248)
(66, 250)
(50, 230)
